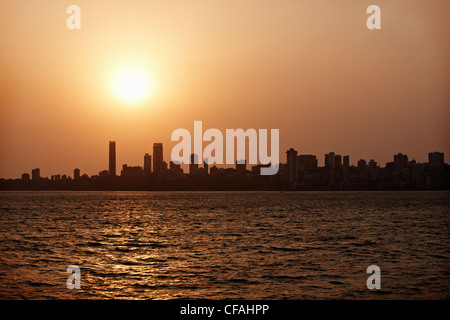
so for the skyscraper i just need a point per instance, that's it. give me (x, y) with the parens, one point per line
(330, 161)
(291, 157)
(346, 161)
(338, 162)
(306, 162)
(147, 164)
(157, 157)
(112, 158)
(400, 161)
(76, 173)
(346, 169)
(436, 160)
(36, 174)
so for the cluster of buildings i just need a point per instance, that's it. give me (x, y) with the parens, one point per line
(300, 172)
(303, 172)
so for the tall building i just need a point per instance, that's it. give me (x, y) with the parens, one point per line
(346, 161)
(362, 163)
(346, 168)
(193, 164)
(306, 162)
(112, 158)
(400, 161)
(436, 160)
(36, 174)
(147, 164)
(436, 167)
(330, 161)
(373, 163)
(76, 173)
(338, 162)
(291, 160)
(157, 157)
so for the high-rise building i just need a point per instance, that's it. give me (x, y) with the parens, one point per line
(26, 177)
(291, 160)
(147, 164)
(36, 174)
(400, 161)
(436, 160)
(373, 163)
(76, 173)
(193, 164)
(157, 157)
(330, 161)
(346, 161)
(306, 162)
(338, 162)
(112, 158)
(346, 168)
(362, 163)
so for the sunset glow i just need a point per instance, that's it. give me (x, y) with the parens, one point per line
(135, 73)
(132, 85)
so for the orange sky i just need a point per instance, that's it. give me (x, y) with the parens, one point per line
(309, 68)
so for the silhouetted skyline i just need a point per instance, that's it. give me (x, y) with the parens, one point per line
(299, 172)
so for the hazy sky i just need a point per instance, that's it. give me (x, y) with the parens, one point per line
(309, 68)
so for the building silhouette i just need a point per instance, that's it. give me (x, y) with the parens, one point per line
(76, 173)
(436, 160)
(36, 174)
(157, 157)
(300, 172)
(291, 161)
(330, 161)
(147, 164)
(306, 162)
(400, 161)
(112, 158)
(131, 172)
(362, 163)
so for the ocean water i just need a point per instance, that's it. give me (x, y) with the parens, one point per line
(218, 245)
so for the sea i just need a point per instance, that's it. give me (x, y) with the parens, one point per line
(224, 245)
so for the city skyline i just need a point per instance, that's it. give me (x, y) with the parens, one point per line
(299, 171)
(209, 153)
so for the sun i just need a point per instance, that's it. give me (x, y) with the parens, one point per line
(132, 85)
